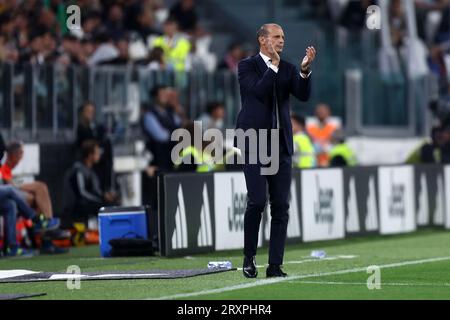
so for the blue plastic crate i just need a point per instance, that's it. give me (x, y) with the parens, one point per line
(121, 222)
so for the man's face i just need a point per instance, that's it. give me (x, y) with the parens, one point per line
(275, 37)
(445, 136)
(187, 4)
(15, 157)
(96, 155)
(163, 96)
(89, 113)
(219, 113)
(322, 112)
(237, 53)
(116, 13)
(122, 45)
(295, 127)
(170, 28)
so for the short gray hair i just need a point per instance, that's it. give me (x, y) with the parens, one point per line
(263, 31)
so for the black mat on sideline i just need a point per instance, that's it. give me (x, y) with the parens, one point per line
(16, 296)
(114, 275)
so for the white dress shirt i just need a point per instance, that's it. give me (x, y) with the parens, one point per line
(269, 64)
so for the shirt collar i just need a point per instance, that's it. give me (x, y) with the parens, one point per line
(265, 58)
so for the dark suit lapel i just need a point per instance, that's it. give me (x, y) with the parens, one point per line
(262, 67)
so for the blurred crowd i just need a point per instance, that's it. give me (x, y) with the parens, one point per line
(119, 32)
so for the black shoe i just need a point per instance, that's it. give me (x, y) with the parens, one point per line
(249, 268)
(58, 234)
(52, 249)
(274, 270)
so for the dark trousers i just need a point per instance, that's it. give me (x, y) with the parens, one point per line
(12, 201)
(278, 187)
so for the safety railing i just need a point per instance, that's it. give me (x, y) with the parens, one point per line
(40, 102)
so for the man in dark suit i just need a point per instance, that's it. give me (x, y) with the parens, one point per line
(262, 78)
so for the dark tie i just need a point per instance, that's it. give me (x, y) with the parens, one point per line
(275, 115)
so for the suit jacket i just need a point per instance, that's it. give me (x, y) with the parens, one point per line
(256, 82)
(2, 147)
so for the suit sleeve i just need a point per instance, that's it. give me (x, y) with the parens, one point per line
(299, 86)
(250, 81)
(2, 147)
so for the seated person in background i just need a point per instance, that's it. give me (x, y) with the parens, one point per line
(214, 116)
(158, 123)
(321, 133)
(35, 193)
(445, 143)
(83, 186)
(191, 159)
(304, 153)
(2, 147)
(234, 54)
(89, 129)
(341, 155)
(155, 61)
(11, 201)
(429, 151)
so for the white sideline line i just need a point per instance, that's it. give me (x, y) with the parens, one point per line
(278, 280)
(394, 284)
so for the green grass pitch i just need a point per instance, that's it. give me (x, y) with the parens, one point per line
(413, 266)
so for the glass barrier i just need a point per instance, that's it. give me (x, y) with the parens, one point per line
(47, 97)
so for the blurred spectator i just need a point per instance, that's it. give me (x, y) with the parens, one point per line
(89, 129)
(195, 60)
(397, 21)
(145, 25)
(436, 63)
(87, 49)
(71, 50)
(9, 200)
(115, 22)
(321, 9)
(175, 46)
(156, 60)
(8, 53)
(122, 46)
(159, 121)
(90, 24)
(355, 13)
(341, 155)
(42, 48)
(200, 57)
(11, 204)
(443, 31)
(445, 140)
(232, 58)
(35, 193)
(184, 13)
(321, 133)
(213, 117)
(427, 20)
(304, 154)
(35, 31)
(47, 21)
(2, 147)
(83, 194)
(429, 151)
(104, 50)
(191, 159)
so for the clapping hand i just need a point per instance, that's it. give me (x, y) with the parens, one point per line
(273, 54)
(308, 59)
